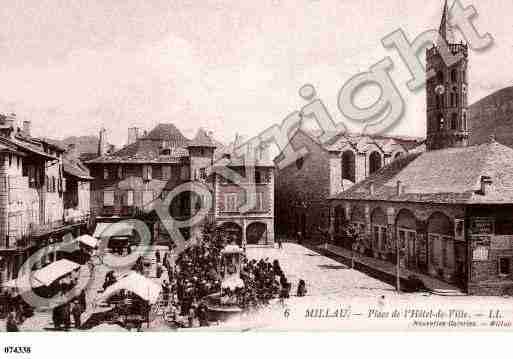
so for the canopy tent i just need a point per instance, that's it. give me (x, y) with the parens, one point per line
(88, 240)
(55, 270)
(105, 230)
(231, 249)
(137, 284)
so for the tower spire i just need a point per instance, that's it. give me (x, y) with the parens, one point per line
(445, 27)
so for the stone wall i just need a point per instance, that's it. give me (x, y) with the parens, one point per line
(302, 189)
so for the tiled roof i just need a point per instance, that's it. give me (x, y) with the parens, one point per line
(148, 149)
(360, 141)
(202, 139)
(230, 155)
(74, 167)
(26, 145)
(450, 175)
(167, 132)
(53, 143)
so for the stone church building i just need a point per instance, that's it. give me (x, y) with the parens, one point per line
(303, 188)
(446, 212)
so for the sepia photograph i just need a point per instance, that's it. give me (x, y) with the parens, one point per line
(213, 166)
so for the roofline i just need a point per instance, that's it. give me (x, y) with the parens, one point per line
(84, 177)
(96, 162)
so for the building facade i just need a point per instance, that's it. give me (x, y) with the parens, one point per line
(154, 164)
(32, 188)
(302, 188)
(446, 212)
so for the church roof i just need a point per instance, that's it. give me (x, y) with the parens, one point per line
(451, 175)
(361, 142)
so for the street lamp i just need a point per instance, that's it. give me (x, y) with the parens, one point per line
(397, 266)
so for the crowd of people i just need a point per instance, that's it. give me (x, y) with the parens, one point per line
(198, 271)
(189, 282)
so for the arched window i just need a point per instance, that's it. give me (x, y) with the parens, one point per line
(299, 163)
(454, 75)
(374, 162)
(348, 166)
(440, 77)
(454, 121)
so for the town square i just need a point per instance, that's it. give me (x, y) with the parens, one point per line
(158, 224)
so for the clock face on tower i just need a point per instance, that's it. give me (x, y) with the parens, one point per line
(440, 89)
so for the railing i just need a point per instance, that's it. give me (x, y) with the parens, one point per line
(45, 228)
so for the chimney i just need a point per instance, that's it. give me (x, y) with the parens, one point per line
(133, 135)
(10, 120)
(102, 142)
(400, 188)
(26, 128)
(372, 189)
(486, 182)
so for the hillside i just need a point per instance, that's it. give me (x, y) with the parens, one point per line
(492, 116)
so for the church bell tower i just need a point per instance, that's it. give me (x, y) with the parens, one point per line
(447, 91)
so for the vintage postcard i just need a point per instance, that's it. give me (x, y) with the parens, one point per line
(211, 166)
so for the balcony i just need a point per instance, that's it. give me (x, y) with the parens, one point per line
(39, 230)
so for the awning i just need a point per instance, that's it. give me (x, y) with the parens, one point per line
(106, 230)
(88, 240)
(137, 284)
(23, 283)
(55, 270)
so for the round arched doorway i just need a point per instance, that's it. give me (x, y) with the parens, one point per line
(406, 225)
(442, 262)
(379, 232)
(256, 233)
(233, 232)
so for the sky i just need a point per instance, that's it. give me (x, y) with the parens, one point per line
(74, 66)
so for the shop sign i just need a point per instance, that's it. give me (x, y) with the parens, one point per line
(501, 242)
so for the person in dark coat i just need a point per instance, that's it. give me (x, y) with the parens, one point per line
(82, 301)
(157, 256)
(76, 312)
(11, 325)
(301, 288)
(66, 313)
